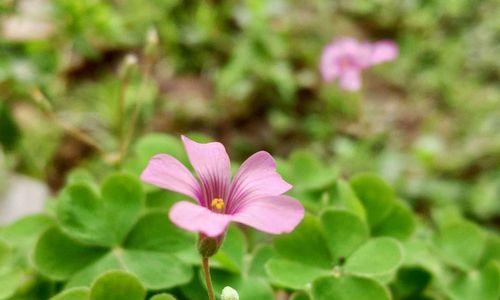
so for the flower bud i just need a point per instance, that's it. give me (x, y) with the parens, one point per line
(228, 293)
(128, 65)
(207, 247)
(152, 41)
(152, 36)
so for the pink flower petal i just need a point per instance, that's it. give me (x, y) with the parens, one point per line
(275, 214)
(256, 178)
(350, 80)
(167, 172)
(383, 51)
(212, 165)
(197, 218)
(329, 69)
(345, 58)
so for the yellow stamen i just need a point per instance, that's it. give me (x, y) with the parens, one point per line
(218, 204)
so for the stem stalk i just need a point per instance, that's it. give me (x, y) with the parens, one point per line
(208, 280)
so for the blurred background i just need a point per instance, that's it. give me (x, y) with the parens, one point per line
(81, 81)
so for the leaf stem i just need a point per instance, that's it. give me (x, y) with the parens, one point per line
(121, 110)
(127, 136)
(42, 102)
(208, 280)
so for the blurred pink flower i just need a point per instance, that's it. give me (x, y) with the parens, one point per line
(344, 59)
(253, 197)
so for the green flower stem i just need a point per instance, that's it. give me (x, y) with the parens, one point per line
(208, 280)
(121, 109)
(127, 136)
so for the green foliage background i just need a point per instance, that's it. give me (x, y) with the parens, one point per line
(401, 180)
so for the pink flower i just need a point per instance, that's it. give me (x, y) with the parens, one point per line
(344, 59)
(254, 196)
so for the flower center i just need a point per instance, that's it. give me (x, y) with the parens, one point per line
(217, 204)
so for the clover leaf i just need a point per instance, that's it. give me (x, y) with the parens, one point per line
(81, 293)
(98, 232)
(23, 233)
(117, 285)
(112, 285)
(14, 255)
(150, 145)
(399, 223)
(308, 171)
(461, 244)
(334, 253)
(163, 296)
(492, 248)
(100, 219)
(483, 284)
(411, 282)
(376, 195)
(347, 288)
(345, 231)
(343, 196)
(300, 295)
(10, 275)
(306, 244)
(230, 256)
(376, 258)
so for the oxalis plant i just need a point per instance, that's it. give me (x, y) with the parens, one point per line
(123, 238)
(254, 197)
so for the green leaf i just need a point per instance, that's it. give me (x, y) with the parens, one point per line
(57, 256)
(343, 196)
(155, 270)
(345, 232)
(307, 171)
(5, 255)
(230, 255)
(348, 288)
(481, 284)
(306, 244)
(300, 296)
(80, 175)
(101, 220)
(249, 288)
(150, 145)
(411, 281)
(291, 274)
(11, 275)
(492, 249)
(117, 285)
(417, 252)
(378, 257)
(10, 280)
(461, 243)
(162, 199)
(260, 256)
(155, 232)
(377, 197)
(24, 232)
(87, 275)
(9, 130)
(399, 224)
(155, 143)
(81, 293)
(194, 290)
(163, 296)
